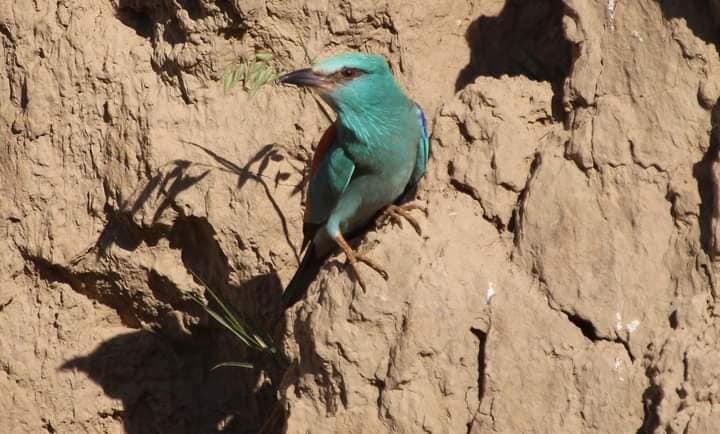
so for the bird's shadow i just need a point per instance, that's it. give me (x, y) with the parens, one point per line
(168, 387)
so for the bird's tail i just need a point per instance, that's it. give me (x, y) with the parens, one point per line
(308, 269)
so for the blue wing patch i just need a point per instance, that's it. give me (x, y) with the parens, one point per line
(425, 140)
(423, 149)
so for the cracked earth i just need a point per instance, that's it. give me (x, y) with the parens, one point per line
(562, 281)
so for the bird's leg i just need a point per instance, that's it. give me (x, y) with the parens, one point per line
(355, 257)
(396, 213)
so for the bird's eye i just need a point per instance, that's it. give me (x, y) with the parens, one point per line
(349, 72)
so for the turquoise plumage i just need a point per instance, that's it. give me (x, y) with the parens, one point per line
(376, 150)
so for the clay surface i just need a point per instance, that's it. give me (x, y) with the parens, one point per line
(564, 282)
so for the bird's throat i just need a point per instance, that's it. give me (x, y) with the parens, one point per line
(371, 126)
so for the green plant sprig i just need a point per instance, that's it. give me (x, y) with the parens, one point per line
(253, 73)
(232, 322)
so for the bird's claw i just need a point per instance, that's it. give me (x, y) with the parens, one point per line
(396, 214)
(354, 257)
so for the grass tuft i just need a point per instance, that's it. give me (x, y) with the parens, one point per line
(253, 73)
(232, 322)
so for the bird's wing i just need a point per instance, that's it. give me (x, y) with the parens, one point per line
(330, 174)
(326, 140)
(423, 149)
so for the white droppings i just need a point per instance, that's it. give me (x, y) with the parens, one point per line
(636, 35)
(611, 13)
(632, 325)
(489, 293)
(617, 366)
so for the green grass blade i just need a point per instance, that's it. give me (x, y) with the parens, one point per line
(239, 73)
(229, 320)
(256, 67)
(228, 80)
(237, 332)
(265, 76)
(233, 364)
(251, 81)
(229, 315)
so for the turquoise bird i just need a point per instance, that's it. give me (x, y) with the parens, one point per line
(376, 150)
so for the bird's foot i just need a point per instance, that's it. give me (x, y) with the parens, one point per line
(396, 214)
(355, 257)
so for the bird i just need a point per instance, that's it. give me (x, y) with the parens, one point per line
(374, 152)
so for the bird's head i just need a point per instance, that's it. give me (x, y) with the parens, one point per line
(350, 82)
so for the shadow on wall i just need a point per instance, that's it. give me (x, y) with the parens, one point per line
(702, 17)
(163, 379)
(143, 15)
(195, 237)
(526, 38)
(705, 26)
(707, 175)
(168, 388)
(162, 21)
(266, 154)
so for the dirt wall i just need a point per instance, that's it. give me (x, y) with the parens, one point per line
(564, 281)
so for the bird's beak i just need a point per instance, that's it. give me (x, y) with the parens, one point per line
(304, 77)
